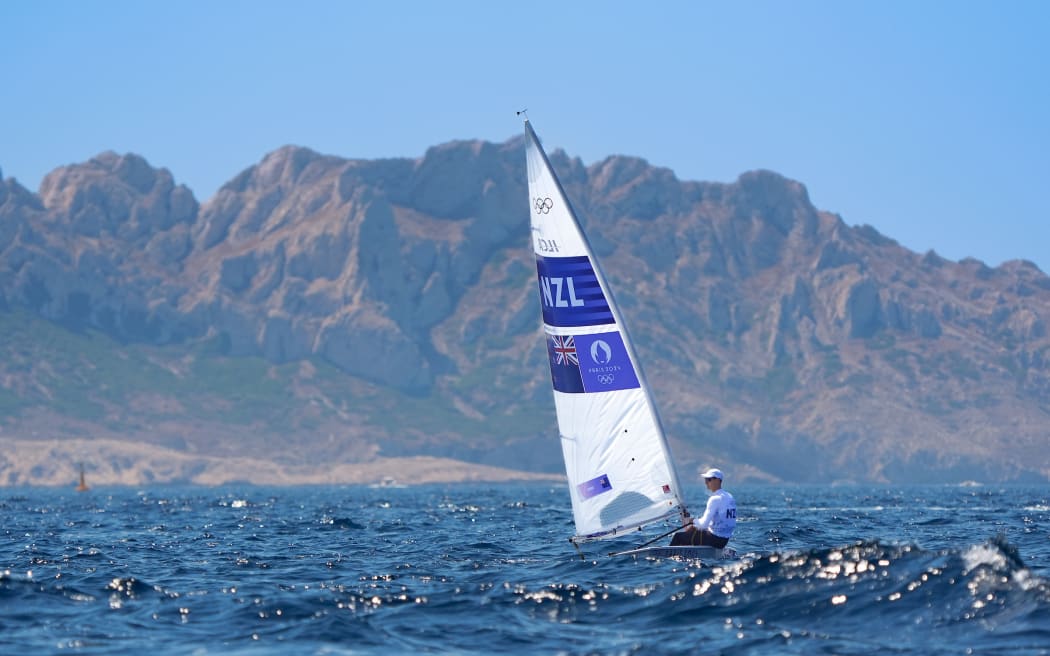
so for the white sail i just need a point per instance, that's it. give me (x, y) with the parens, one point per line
(620, 472)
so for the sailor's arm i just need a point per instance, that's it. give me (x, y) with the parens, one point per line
(708, 516)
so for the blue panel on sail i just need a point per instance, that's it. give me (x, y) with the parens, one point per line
(604, 363)
(594, 487)
(570, 294)
(565, 364)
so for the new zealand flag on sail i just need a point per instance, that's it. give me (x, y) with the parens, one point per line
(565, 364)
(590, 363)
(594, 487)
(570, 294)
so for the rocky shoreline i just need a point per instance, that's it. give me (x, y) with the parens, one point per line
(56, 463)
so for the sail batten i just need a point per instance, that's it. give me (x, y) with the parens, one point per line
(621, 476)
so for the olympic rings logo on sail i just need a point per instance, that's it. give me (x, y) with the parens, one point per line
(606, 379)
(543, 205)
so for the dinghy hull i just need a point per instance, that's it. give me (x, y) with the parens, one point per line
(702, 553)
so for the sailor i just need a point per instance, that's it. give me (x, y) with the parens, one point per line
(716, 525)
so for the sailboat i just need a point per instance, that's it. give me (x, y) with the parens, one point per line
(618, 463)
(82, 486)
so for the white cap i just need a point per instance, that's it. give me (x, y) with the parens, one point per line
(712, 473)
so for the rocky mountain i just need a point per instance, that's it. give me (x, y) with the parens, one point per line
(321, 312)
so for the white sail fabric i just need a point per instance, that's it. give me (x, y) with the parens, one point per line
(616, 457)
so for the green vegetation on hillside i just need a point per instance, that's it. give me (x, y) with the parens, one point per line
(130, 387)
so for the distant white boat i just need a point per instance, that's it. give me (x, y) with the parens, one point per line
(387, 481)
(619, 466)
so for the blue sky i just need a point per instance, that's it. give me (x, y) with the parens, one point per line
(927, 120)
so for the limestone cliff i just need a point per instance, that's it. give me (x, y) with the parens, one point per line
(390, 308)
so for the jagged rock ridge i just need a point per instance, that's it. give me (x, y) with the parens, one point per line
(778, 338)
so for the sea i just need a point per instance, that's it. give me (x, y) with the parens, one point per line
(488, 569)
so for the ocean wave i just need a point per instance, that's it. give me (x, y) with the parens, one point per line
(469, 570)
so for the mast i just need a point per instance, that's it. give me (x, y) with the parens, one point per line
(83, 486)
